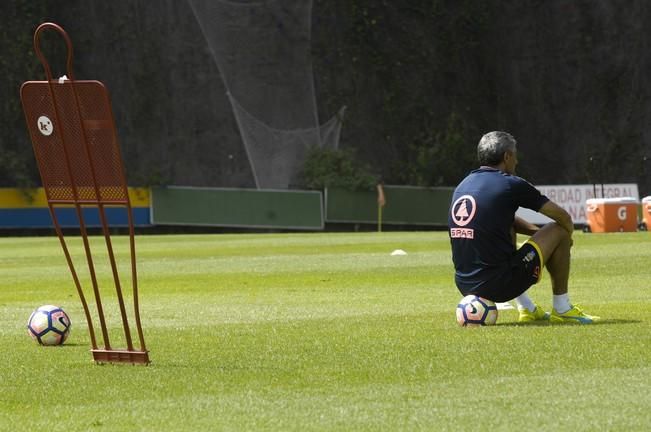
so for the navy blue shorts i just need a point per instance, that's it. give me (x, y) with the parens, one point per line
(526, 270)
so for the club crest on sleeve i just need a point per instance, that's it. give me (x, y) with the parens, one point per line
(463, 210)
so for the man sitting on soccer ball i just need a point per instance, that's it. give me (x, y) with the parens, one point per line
(483, 228)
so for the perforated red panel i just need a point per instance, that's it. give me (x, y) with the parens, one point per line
(74, 119)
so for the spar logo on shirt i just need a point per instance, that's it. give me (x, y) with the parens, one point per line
(462, 212)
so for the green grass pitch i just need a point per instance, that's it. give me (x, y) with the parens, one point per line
(326, 332)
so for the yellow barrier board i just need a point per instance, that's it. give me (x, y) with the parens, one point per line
(35, 198)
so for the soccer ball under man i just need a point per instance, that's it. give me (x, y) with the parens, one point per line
(474, 311)
(49, 325)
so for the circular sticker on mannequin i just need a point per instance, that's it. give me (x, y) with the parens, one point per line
(45, 126)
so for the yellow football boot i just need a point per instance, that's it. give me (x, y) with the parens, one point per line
(538, 314)
(574, 315)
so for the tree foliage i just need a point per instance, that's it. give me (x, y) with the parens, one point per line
(336, 168)
(18, 64)
(422, 80)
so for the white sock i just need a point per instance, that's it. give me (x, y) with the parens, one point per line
(562, 303)
(524, 302)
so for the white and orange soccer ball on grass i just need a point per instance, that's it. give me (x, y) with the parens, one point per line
(49, 325)
(475, 311)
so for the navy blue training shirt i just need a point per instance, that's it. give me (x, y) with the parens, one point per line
(480, 221)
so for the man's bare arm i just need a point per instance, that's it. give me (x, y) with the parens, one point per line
(563, 218)
(521, 226)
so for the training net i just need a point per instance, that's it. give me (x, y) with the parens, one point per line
(262, 51)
